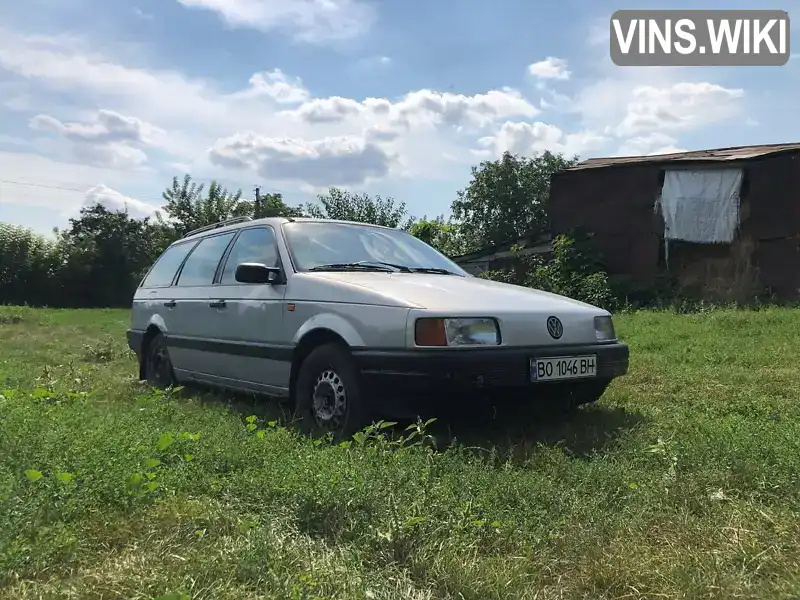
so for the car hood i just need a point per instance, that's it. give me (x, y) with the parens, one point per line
(459, 294)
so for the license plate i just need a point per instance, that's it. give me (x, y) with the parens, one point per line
(563, 367)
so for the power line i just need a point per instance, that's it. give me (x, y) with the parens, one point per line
(42, 185)
(84, 191)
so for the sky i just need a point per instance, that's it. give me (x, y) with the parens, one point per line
(108, 101)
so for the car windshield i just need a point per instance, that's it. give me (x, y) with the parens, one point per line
(344, 246)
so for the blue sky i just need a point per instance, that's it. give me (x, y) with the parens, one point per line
(107, 101)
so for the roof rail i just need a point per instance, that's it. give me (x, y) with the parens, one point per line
(220, 224)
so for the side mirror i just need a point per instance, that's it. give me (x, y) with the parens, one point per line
(257, 273)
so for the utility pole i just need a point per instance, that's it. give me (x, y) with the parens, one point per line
(257, 211)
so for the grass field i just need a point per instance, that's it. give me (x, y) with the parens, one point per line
(683, 482)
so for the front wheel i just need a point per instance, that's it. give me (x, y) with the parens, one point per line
(328, 393)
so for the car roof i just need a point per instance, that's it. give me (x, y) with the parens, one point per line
(275, 221)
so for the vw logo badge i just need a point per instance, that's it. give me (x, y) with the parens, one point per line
(554, 327)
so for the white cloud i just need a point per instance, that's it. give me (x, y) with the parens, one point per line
(557, 102)
(275, 127)
(529, 138)
(107, 126)
(115, 201)
(277, 86)
(195, 113)
(344, 160)
(328, 110)
(421, 107)
(550, 68)
(458, 109)
(649, 145)
(109, 139)
(633, 104)
(679, 107)
(311, 21)
(62, 187)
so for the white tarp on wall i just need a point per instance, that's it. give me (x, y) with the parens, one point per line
(701, 206)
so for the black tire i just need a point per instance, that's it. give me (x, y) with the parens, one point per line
(328, 393)
(157, 365)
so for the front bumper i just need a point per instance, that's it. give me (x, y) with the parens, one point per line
(479, 368)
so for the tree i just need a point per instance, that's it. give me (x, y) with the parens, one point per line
(272, 205)
(28, 265)
(187, 208)
(506, 198)
(444, 236)
(104, 255)
(346, 206)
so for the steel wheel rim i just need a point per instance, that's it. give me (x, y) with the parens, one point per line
(329, 399)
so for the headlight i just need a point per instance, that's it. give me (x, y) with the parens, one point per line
(604, 329)
(457, 332)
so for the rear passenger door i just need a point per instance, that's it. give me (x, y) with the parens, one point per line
(194, 334)
(252, 315)
(153, 300)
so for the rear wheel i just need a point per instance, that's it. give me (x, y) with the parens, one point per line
(328, 393)
(157, 364)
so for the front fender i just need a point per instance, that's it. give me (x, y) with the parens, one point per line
(335, 323)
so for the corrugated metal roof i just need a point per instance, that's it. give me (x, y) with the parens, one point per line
(715, 155)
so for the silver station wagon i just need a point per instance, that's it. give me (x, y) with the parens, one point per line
(349, 320)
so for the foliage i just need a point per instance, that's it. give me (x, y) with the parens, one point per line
(100, 257)
(28, 265)
(187, 208)
(574, 269)
(363, 208)
(506, 199)
(109, 489)
(97, 261)
(272, 205)
(106, 253)
(444, 236)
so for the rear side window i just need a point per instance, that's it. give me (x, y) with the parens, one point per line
(166, 266)
(200, 267)
(252, 245)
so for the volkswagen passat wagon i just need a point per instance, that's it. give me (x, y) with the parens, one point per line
(339, 317)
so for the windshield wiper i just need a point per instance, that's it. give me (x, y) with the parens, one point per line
(378, 265)
(406, 268)
(357, 266)
(432, 270)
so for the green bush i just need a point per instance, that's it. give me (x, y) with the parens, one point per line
(574, 269)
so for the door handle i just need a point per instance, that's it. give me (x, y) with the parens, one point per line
(217, 304)
(171, 304)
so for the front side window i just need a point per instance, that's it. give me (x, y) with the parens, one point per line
(253, 245)
(313, 245)
(166, 266)
(200, 267)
